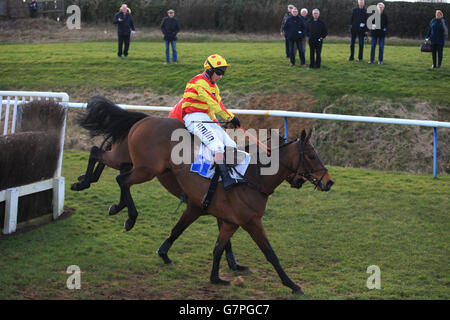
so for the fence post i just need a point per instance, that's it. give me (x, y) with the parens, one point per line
(286, 139)
(435, 152)
(12, 202)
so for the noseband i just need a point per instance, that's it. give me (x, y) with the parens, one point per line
(306, 174)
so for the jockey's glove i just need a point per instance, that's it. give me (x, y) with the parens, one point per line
(235, 121)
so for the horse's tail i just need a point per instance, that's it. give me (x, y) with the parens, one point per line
(105, 118)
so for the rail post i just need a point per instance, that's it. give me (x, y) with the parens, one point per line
(435, 152)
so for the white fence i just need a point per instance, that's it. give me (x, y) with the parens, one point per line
(10, 118)
(323, 116)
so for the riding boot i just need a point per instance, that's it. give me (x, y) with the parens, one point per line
(228, 182)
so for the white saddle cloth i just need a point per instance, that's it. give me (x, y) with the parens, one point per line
(204, 162)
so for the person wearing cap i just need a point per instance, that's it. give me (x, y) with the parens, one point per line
(286, 16)
(170, 28)
(198, 108)
(125, 26)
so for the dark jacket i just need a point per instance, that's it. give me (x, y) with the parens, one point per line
(33, 6)
(316, 29)
(380, 33)
(286, 16)
(170, 28)
(294, 28)
(359, 17)
(437, 31)
(125, 26)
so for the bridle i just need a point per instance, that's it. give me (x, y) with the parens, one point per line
(307, 173)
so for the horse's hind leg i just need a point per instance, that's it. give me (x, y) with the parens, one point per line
(229, 254)
(116, 208)
(256, 231)
(125, 181)
(84, 181)
(187, 218)
(226, 231)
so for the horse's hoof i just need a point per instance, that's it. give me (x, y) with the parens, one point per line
(113, 210)
(129, 224)
(165, 258)
(81, 178)
(220, 282)
(298, 291)
(243, 269)
(78, 186)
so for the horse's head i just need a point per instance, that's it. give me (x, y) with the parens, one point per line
(309, 167)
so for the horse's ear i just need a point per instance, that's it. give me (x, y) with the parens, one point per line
(303, 135)
(309, 135)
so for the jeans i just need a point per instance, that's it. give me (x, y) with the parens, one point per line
(293, 46)
(286, 42)
(174, 51)
(380, 51)
(437, 48)
(361, 45)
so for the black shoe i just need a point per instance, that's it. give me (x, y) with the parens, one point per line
(228, 182)
(351, 59)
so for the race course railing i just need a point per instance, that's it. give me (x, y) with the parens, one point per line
(321, 116)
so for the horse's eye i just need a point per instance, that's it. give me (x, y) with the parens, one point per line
(312, 156)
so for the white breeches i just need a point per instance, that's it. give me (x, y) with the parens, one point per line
(211, 134)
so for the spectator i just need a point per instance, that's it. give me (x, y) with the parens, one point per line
(316, 30)
(294, 30)
(286, 16)
(33, 6)
(358, 29)
(125, 26)
(304, 14)
(378, 35)
(170, 29)
(437, 33)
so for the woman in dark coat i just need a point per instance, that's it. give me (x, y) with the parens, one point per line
(437, 33)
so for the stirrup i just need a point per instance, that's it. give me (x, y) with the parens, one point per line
(227, 181)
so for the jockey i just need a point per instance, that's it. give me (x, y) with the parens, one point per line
(198, 108)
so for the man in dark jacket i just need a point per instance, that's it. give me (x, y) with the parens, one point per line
(125, 26)
(358, 29)
(33, 6)
(286, 16)
(294, 29)
(378, 35)
(316, 30)
(170, 29)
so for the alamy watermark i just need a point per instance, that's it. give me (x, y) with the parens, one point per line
(74, 20)
(184, 152)
(374, 281)
(74, 280)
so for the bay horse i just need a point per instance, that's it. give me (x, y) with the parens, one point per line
(150, 147)
(113, 153)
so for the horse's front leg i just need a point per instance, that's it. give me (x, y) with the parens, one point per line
(256, 231)
(190, 215)
(230, 256)
(226, 232)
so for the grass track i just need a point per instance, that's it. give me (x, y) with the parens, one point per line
(325, 242)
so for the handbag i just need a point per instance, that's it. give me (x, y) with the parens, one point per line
(425, 47)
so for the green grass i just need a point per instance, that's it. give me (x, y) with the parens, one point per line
(325, 242)
(257, 67)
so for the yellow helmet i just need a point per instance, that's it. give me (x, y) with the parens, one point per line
(215, 61)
